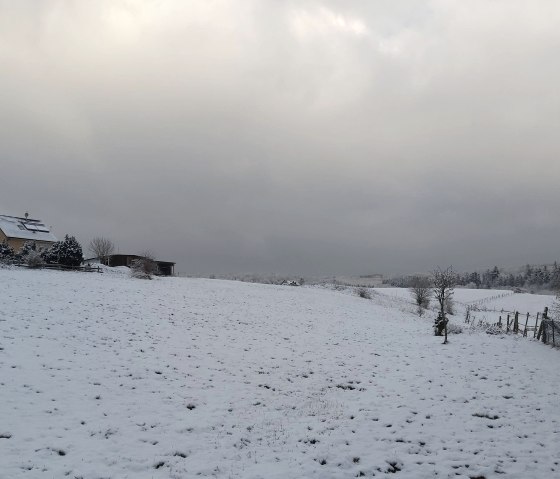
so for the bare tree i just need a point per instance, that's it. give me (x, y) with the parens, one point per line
(421, 290)
(443, 285)
(102, 248)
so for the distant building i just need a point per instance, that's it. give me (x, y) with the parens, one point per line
(165, 268)
(16, 231)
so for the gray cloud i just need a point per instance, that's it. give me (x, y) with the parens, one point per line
(305, 137)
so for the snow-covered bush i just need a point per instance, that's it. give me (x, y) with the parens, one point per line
(420, 288)
(144, 267)
(33, 259)
(50, 255)
(67, 252)
(450, 307)
(439, 324)
(7, 253)
(454, 328)
(483, 326)
(27, 248)
(493, 329)
(363, 293)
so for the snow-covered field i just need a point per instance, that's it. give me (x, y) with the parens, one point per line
(494, 299)
(104, 376)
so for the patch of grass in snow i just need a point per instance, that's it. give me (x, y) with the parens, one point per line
(493, 417)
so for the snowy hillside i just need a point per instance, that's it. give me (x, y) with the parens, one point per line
(494, 299)
(104, 376)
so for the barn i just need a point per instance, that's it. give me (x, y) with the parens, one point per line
(165, 268)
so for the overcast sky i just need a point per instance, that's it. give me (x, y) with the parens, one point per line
(307, 137)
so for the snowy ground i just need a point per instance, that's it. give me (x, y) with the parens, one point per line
(103, 376)
(494, 299)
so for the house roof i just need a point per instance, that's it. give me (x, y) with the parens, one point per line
(25, 228)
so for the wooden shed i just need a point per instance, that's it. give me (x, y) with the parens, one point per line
(165, 268)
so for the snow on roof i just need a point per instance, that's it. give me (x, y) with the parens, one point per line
(25, 228)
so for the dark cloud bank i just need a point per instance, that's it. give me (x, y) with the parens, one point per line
(292, 137)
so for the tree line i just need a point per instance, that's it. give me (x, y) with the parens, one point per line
(530, 277)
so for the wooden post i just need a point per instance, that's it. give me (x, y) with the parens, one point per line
(543, 330)
(525, 330)
(500, 322)
(536, 321)
(507, 329)
(553, 343)
(516, 323)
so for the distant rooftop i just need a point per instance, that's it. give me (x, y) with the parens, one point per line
(25, 228)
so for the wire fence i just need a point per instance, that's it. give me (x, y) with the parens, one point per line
(538, 326)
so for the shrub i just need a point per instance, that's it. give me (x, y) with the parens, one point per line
(420, 287)
(34, 260)
(363, 293)
(454, 328)
(450, 307)
(50, 255)
(7, 253)
(439, 324)
(26, 249)
(492, 329)
(144, 267)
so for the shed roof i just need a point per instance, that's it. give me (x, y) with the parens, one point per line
(25, 228)
(135, 256)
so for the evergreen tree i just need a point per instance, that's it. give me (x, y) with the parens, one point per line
(546, 274)
(67, 252)
(475, 278)
(528, 274)
(555, 278)
(494, 275)
(70, 252)
(27, 248)
(7, 253)
(50, 256)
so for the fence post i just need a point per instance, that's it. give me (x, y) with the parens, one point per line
(516, 323)
(507, 329)
(525, 330)
(536, 322)
(553, 342)
(500, 322)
